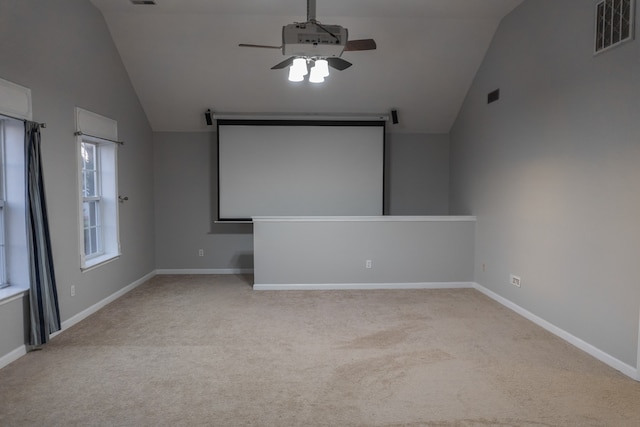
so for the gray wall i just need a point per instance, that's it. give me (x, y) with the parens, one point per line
(185, 196)
(63, 52)
(402, 250)
(418, 174)
(551, 173)
(14, 318)
(185, 199)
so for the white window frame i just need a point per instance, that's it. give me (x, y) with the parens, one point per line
(97, 130)
(96, 239)
(15, 105)
(3, 258)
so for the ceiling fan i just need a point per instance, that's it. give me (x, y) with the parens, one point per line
(312, 42)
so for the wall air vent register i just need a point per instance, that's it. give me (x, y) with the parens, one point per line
(614, 23)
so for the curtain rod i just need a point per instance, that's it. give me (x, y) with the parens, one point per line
(79, 133)
(42, 125)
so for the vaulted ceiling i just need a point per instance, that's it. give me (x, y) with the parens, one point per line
(183, 57)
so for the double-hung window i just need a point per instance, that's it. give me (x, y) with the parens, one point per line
(15, 106)
(97, 175)
(3, 259)
(91, 198)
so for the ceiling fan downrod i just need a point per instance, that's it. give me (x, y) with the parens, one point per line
(311, 11)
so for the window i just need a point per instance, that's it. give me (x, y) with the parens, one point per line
(614, 23)
(14, 263)
(15, 106)
(99, 239)
(91, 200)
(3, 260)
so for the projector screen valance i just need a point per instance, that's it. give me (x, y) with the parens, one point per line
(300, 168)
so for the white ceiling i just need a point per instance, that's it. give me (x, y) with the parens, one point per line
(183, 57)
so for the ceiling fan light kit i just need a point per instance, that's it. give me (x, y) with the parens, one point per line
(321, 68)
(312, 41)
(316, 76)
(299, 70)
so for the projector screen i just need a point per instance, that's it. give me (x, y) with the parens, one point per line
(300, 168)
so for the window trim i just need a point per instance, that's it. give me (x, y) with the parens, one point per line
(16, 256)
(4, 277)
(15, 105)
(107, 158)
(97, 197)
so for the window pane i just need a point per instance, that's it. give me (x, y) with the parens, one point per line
(85, 215)
(89, 187)
(88, 156)
(93, 214)
(1, 224)
(92, 183)
(89, 169)
(87, 242)
(91, 225)
(626, 19)
(3, 278)
(94, 240)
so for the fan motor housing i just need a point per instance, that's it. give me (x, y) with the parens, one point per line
(313, 40)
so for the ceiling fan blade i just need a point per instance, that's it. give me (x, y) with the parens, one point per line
(338, 63)
(362, 44)
(284, 64)
(262, 46)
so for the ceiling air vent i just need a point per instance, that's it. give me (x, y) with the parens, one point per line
(143, 1)
(614, 23)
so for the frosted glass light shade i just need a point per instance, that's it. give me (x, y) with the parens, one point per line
(300, 65)
(298, 70)
(316, 75)
(295, 75)
(323, 67)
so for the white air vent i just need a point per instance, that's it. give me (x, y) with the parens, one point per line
(614, 23)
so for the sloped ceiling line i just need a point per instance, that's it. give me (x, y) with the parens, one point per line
(183, 57)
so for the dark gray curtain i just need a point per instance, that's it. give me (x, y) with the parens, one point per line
(43, 296)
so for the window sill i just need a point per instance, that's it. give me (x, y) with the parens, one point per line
(98, 261)
(11, 293)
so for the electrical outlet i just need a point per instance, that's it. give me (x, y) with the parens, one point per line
(484, 267)
(200, 252)
(368, 263)
(73, 290)
(515, 280)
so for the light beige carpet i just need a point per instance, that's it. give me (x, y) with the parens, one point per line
(209, 351)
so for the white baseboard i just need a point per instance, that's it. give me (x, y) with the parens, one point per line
(340, 286)
(638, 354)
(13, 356)
(606, 358)
(205, 271)
(22, 350)
(89, 311)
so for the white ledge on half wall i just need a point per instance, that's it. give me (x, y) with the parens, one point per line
(385, 218)
(11, 293)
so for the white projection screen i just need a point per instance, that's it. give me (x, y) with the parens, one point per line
(300, 168)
